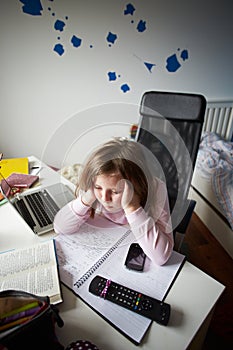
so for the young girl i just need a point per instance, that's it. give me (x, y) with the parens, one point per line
(117, 183)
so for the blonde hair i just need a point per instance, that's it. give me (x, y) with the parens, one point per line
(119, 155)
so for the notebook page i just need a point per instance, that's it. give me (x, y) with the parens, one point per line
(154, 281)
(78, 252)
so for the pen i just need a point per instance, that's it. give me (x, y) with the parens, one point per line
(35, 167)
(14, 323)
(19, 309)
(26, 313)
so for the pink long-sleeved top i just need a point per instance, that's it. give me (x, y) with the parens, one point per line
(152, 231)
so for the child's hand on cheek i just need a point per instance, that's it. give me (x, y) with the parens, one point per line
(129, 200)
(88, 197)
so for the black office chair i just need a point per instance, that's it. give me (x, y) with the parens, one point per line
(170, 127)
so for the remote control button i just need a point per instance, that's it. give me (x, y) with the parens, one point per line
(147, 304)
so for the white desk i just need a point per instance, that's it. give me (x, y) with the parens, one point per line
(192, 298)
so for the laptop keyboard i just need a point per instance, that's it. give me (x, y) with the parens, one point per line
(23, 210)
(43, 207)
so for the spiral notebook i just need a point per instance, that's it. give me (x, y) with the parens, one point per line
(97, 249)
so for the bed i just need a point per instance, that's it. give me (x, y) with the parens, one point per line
(212, 183)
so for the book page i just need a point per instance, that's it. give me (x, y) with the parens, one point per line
(32, 269)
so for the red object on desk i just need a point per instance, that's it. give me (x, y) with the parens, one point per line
(16, 181)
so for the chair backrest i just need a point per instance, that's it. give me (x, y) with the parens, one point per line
(170, 127)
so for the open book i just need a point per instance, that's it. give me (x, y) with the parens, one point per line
(100, 250)
(32, 269)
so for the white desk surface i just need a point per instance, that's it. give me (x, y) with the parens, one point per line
(192, 297)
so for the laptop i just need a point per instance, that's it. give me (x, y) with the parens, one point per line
(38, 208)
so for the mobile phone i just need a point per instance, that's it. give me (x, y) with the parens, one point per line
(135, 258)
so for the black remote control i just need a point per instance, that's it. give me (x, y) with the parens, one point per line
(135, 301)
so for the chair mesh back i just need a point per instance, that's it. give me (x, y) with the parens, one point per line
(170, 127)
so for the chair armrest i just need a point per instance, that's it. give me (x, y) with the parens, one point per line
(182, 227)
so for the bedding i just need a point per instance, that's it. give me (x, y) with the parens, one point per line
(215, 164)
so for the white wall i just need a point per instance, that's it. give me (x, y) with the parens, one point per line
(49, 102)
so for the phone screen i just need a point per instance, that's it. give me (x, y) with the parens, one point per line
(135, 258)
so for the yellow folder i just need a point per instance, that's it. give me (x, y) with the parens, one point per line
(13, 165)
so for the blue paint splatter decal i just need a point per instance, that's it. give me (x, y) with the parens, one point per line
(129, 10)
(58, 48)
(141, 27)
(173, 63)
(125, 88)
(32, 7)
(60, 23)
(76, 41)
(149, 66)
(184, 55)
(112, 76)
(111, 38)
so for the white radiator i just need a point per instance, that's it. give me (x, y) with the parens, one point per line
(219, 119)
